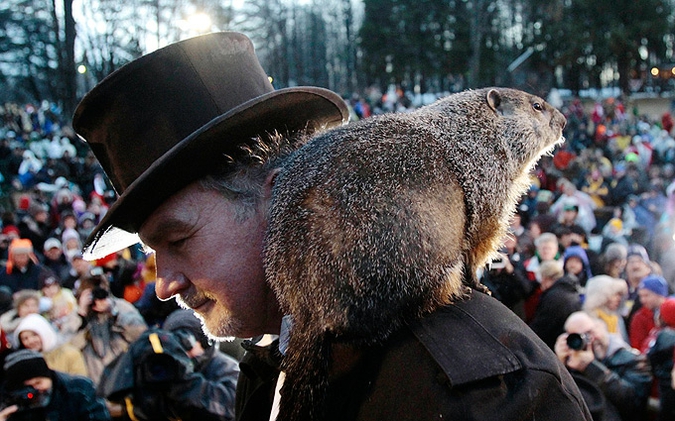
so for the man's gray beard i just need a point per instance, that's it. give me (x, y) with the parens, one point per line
(219, 336)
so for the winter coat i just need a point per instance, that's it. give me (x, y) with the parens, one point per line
(28, 279)
(660, 354)
(187, 389)
(74, 399)
(472, 360)
(555, 305)
(625, 379)
(106, 336)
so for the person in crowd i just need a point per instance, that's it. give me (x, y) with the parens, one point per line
(109, 325)
(559, 298)
(211, 389)
(638, 265)
(35, 225)
(22, 270)
(614, 232)
(569, 198)
(53, 395)
(80, 271)
(119, 269)
(505, 284)
(547, 248)
(596, 187)
(603, 299)
(622, 185)
(61, 306)
(652, 292)
(606, 365)
(72, 244)
(568, 219)
(613, 260)
(55, 260)
(212, 255)
(36, 333)
(575, 262)
(660, 353)
(25, 302)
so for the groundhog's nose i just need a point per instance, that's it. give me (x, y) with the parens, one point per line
(558, 120)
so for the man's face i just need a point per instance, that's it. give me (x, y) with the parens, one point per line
(574, 265)
(649, 299)
(53, 253)
(547, 250)
(636, 268)
(212, 261)
(81, 266)
(20, 260)
(41, 384)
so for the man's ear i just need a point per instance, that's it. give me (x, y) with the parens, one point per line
(269, 182)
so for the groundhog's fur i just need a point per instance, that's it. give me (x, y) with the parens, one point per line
(382, 221)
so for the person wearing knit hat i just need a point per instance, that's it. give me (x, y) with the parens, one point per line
(215, 374)
(24, 365)
(652, 292)
(22, 269)
(36, 333)
(51, 395)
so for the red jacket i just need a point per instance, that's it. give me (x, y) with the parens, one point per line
(641, 324)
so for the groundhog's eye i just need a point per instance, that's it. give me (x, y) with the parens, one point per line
(537, 106)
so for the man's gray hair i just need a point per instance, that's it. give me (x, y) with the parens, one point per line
(242, 180)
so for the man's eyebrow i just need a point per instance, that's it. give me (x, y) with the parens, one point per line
(165, 226)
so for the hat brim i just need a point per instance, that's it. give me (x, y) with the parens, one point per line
(286, 110)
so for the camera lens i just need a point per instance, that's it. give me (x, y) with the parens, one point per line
(576, 341)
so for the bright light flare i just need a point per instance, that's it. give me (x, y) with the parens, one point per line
(200, 22)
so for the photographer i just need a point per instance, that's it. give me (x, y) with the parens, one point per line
(109, 325)
(32, 391)
(210, 389)
(604, 365)
(167, 382)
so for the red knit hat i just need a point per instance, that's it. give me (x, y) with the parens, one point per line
(667, 312)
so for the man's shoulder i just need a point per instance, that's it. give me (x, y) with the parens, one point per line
(477, 338)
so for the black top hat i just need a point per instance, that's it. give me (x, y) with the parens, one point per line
(167, 119)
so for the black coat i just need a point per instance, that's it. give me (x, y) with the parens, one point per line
(474, 360)
(555, 305)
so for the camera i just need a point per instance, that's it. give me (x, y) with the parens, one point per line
(578, 341)
(25, 398)
(160, 369)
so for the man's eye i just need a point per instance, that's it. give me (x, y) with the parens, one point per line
(178, 243)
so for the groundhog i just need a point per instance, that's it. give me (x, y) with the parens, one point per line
(379, 222)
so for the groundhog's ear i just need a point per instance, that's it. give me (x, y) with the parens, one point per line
(494, 100)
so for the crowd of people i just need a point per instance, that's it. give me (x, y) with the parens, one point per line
(67, 321)
(588, 265)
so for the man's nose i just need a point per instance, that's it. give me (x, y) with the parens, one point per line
(169, 281)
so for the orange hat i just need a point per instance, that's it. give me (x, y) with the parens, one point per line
(19, 245)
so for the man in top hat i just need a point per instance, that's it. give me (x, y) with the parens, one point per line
(192, 137)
